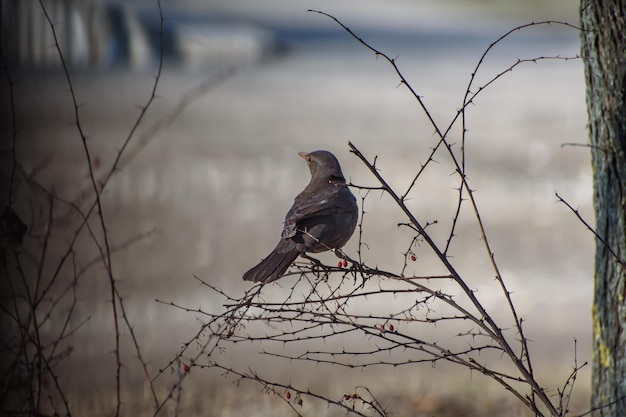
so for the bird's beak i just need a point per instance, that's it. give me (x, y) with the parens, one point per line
(303, 155)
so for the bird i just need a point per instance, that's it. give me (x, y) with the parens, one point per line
(323, 217)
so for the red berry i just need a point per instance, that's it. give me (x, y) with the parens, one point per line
(339, 264)
(288, 395)
(345, 263)
(354, 396)
(186, 368)
(391, 327)
(346, 397)
(413, 258)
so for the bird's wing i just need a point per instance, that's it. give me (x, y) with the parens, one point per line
(321, 204)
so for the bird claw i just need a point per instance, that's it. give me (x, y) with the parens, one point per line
(316, 262)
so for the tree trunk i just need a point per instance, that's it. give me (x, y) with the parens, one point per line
(603, 42)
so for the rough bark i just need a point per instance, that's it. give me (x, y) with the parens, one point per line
(603, 41)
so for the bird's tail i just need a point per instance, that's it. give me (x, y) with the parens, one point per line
(275, 264)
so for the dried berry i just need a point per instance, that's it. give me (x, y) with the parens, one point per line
(288, 395)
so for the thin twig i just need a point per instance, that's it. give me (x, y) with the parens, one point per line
(592, 230)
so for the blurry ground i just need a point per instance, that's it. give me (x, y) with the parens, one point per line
(212, 189)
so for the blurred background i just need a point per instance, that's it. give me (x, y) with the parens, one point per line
(211, 171)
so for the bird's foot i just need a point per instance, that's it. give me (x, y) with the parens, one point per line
(316, 262)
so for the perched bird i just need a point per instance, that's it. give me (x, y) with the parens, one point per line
(323, 217)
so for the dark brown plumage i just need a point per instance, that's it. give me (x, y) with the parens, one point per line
(323, 217)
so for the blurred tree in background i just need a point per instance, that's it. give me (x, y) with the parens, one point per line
(604, 47)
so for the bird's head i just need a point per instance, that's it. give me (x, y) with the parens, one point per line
(323, 166)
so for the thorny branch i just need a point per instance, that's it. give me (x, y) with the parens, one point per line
(619, 260)
(318, 318)
(44, 272)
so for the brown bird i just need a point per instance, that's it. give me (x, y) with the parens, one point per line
(323, 217)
